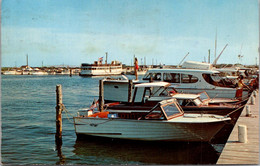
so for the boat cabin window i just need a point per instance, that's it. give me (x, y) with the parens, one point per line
(216, 80)
(85, 65)
(139, 94)
(187, 78)
(216, 77)
(171, 77)
(152, 76)
(187, 102)
(147, 93)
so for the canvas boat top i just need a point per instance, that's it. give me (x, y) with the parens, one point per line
(183, 70)
(153, 84)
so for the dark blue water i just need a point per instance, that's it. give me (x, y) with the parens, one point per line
(28, 128)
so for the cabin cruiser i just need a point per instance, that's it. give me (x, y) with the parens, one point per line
(147, 95)
(166, 121)
(195, 81)
(184, 80)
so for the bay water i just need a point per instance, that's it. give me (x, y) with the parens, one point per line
(28, 128)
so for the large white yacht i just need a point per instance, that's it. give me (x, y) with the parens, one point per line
(184, 80)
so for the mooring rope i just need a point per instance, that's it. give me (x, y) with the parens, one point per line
(234, 111)
(249, 95)
(67, 112)
(91, 124)
(247, 98)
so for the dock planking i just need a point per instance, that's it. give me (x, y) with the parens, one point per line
(236, 152)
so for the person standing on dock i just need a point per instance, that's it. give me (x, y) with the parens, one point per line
(240, 86)
(241, 83)
(136, 68)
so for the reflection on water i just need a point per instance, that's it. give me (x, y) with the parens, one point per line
(108, 151)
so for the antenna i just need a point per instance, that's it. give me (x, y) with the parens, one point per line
(106, 58)
(216, 43)
(183, 59)
(27, 59)
(209, 57)
(215, 61)
(240, 56)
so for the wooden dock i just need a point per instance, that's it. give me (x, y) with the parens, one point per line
(236, 152)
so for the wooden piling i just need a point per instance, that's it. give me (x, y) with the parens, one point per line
(130, 87)
(101, 95)
(58, 136)
(70, 72)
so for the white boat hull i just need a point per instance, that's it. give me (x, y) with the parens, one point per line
(39, 73)
(9, 73)
(101, 72)
(149, 130)
(218, 92)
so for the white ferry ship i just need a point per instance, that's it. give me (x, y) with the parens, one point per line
(99, 69)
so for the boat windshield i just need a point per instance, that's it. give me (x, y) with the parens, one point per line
(190, 102)
(203, 96)
(162, 91)
(197, 101)
(171, 110)
(155, 114)
(152, 76)
(165, 111)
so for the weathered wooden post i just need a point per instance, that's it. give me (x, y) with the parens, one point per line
(70, 72)
(58, 136)
(130, 87)
(101, 95)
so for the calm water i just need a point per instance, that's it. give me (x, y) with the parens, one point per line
(28, 128)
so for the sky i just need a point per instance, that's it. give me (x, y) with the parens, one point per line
(71, 32)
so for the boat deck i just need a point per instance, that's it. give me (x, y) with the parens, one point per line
(236, 152)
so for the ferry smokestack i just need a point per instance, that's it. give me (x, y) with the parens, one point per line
(209, 57)
(106, 58)
(27, 59)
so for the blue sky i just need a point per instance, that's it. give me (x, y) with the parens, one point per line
(71, 32)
